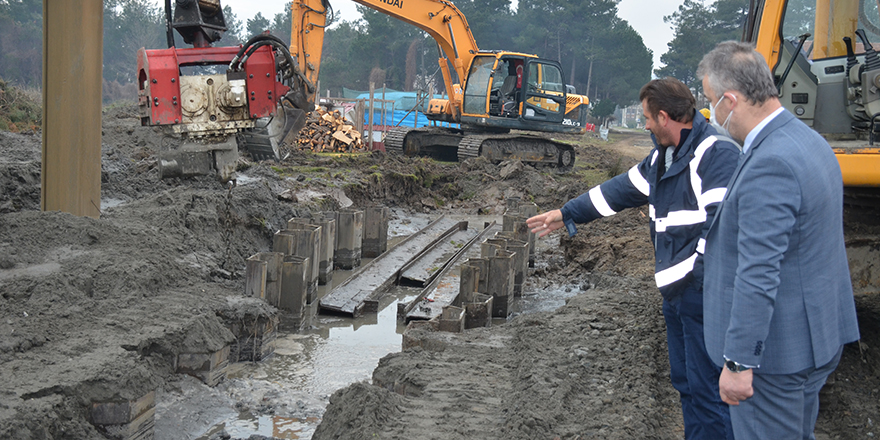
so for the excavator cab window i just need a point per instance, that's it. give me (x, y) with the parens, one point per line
(476, 91)
(828, 23)
(545, 91)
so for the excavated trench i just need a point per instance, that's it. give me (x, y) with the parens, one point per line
(98, 312)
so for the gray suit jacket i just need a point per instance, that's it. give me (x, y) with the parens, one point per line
(777, 290)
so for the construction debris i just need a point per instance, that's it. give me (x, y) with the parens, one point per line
(329, 132)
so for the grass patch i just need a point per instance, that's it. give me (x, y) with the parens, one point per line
(19, 109)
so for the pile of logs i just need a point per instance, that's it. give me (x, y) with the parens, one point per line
(329, 132)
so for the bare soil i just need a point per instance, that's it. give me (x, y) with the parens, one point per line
(96, 310)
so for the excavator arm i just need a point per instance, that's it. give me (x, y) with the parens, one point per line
(439, 18)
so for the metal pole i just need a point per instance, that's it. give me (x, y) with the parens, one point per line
(72, 59)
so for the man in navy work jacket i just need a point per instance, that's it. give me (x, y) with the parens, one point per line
(778, 297)
(682, 180)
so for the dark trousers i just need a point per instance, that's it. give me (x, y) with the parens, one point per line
(784, 406)
(693, 374)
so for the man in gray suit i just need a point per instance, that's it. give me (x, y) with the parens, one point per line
(778, 301)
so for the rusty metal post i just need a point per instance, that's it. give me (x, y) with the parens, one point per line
(72, 63)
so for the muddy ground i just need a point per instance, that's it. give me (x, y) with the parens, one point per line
(96, 310)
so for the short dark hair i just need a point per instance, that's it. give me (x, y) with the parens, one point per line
(732, 65)
(670, 95)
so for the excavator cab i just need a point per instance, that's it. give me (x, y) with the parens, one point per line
(507, 91)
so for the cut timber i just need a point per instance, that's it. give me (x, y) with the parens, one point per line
(329, 132)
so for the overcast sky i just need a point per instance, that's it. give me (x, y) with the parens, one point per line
(645, 16)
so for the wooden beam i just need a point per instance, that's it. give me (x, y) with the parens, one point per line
(72, 62)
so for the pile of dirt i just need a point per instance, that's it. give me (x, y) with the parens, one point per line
(96, 310)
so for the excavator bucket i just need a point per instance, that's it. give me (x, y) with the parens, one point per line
(262, 143)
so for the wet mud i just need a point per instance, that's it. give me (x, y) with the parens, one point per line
(98, 310)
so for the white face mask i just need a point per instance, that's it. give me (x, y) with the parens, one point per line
(722, 129)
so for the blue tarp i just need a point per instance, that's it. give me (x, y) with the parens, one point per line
(403, 119)
(402, 100)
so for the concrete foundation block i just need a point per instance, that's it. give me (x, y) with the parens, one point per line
(478, 312)
(255, 277)
(255, 339)
(452, 319)
(469, 281)
(210, 368)
(520, 264)
(283, 242)
(273, 275)
(375, 235)
(483, 265)
(125, 420)
(307, 243)
(294, 285)
(530, 210)
(501, 278)
(349, 238)
(327, 222)
(412, 336)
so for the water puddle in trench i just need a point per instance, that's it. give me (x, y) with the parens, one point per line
(285, 397)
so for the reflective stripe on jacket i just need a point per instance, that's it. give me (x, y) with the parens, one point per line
(681, 203)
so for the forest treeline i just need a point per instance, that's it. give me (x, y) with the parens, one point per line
(602, 55)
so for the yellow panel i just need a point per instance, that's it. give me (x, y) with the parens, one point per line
(860, 169)
(835, 19)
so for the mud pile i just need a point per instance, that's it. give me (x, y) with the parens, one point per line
(97, 310)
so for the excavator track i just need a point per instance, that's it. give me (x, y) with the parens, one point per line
(449, 144)
(394, 140)
(534, 150)
(469, 147)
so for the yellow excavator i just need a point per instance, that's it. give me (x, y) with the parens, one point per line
(828, 75)
(491, 93)
(216, 99)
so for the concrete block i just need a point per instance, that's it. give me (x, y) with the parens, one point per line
(469, 281)
(520, 264)
(327, 222)
(375, 235)
(255, 277)
(120, 412)
(412, 335)
(255, 338)
(452, 319)
(210, 368)
(125, 420)
(349, 238)
(478, 312)
(283, 242)
(530, 210)
(501, 278)
(294, 285)
(273, 275)
(483, 265)
(307, 243)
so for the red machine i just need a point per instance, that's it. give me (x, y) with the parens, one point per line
(211, 99)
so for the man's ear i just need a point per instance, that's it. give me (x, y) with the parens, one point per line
(662, 117)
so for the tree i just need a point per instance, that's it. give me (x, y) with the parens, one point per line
(601, 53)
(603, 109)
(282, 24)
(257, 25)
(21, 37)
(128, 26)
(234, 27)
(698, 28)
